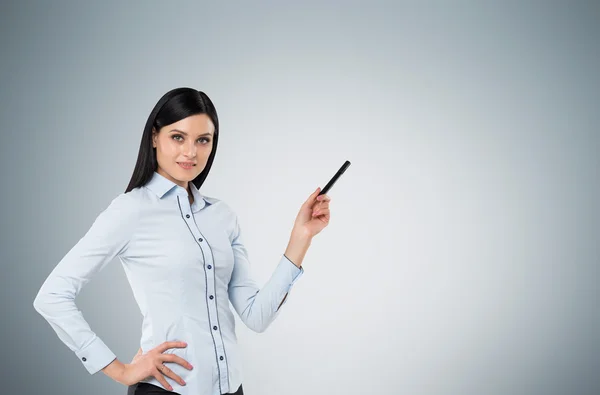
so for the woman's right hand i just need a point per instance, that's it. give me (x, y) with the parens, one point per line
(151, 364)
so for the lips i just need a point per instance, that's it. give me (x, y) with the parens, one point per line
(186, 165)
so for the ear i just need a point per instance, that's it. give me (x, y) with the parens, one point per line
(154, 136)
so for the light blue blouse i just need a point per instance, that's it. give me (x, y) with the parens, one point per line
(184, 264)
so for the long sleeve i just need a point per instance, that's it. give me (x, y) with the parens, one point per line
(107, 237)
(258, 307)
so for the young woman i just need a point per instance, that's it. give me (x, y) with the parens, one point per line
(185, 260)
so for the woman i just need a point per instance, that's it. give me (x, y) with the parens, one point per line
(185, 260)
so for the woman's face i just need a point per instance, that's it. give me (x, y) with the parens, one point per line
(188, 141)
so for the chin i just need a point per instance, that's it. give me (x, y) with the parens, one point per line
(187, 177)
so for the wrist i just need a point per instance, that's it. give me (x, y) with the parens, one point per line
(297, 247)
(122, 376)
(116, 371)
(300, 236)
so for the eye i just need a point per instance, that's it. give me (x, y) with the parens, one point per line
(176, 137)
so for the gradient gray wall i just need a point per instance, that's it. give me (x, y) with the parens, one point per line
(462, 255)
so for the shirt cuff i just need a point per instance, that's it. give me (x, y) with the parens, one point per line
(96, 356)
(291, 271)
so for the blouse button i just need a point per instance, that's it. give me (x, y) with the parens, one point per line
(84, 359)
(209, 266)
(215, 327)
(221, 357)
(211, 297)
(187, 215)
(200, 239)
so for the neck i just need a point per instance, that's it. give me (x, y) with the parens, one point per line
(190, 194)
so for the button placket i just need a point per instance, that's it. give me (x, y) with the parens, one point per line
(186, 211)
(213, 314)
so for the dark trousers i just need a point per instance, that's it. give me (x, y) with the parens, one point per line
(151, 389)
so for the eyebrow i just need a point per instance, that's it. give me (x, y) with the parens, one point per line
(181, 131)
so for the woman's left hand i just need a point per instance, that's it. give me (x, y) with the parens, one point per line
(137, 355)
(314, 215)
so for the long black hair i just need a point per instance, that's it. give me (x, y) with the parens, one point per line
(174, 106)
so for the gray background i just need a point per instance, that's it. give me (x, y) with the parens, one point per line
(462, 255)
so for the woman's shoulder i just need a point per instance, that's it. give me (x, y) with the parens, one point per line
(127, 203)
(134, 196)
(219, 205)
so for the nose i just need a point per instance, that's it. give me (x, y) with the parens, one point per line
(189, 149)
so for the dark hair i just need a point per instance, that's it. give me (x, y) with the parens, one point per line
(174, 106)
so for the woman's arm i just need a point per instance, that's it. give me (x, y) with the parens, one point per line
(295, 251)
(297, 247)
(256, 307)
(108, 236)
(115, 370)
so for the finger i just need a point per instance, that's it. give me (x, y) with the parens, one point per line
(161, 379)
(166, 345)
(318, 213)
(321, 205)
(169, 373)
(177, 359)
(312, 197)
(323, 198)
